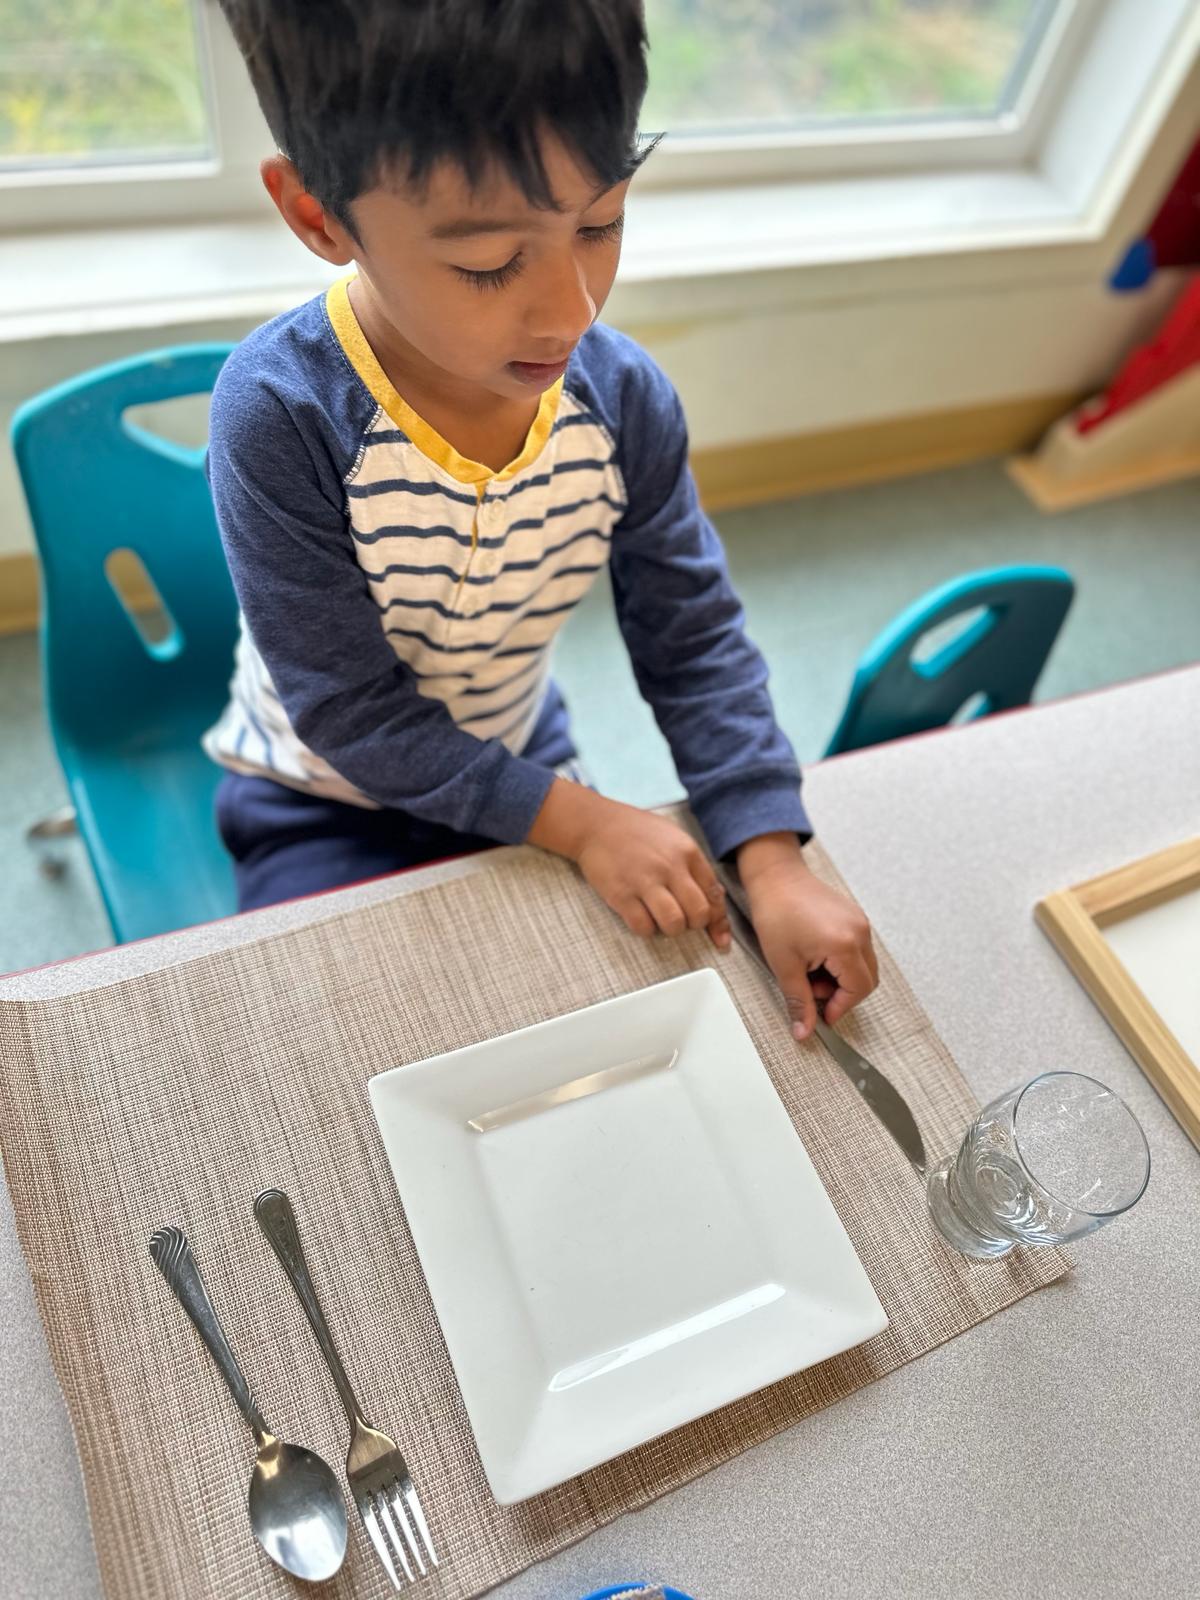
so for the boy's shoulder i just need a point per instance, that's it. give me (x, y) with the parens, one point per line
(290, 375)
(620, 385)
(612, 376)
(292, 349)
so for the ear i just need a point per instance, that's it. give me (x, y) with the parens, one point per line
(304, 214)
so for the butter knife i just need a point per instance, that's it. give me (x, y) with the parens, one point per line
(884, 1099)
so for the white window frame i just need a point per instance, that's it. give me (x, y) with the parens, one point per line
(711, 232)
(227, 183)
(845, 147)
(1080, 176)
(223, 184)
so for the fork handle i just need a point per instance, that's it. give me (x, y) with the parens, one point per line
(172, 1255)
(277, 1220)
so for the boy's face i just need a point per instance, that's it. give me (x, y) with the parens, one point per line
(474, 290)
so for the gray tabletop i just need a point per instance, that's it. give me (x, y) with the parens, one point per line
(1051, 1452)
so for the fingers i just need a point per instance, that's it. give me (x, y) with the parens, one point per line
(691, 899)
(657, 911)
(697, 906)
(669, 916)
(636, 917)
(801, 1003)
(802, 1008)
(709, 900)
(720, 932)
(855, 976)
(867, 950)
(823, 986)
(666, 886)
(676, 910)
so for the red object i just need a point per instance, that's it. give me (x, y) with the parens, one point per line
(1173, 349)
(1175, 231)
(1173, 238)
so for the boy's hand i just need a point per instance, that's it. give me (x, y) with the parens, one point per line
(648, 870)
(817, 941)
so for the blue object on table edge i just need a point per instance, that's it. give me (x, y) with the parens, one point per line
(635, 1584)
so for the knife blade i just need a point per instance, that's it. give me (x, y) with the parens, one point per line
(880, 1094)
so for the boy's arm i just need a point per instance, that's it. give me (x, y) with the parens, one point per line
(707, 686)
(311, 616)
(684, 628)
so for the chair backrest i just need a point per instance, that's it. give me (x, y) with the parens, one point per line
(127, 705)
(98, 484)
(994, 659)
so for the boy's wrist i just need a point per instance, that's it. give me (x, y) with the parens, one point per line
(566, 818)
(765, 855)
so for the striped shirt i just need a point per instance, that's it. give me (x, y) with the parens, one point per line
(400, 602)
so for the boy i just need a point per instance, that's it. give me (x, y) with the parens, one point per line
(418, 475)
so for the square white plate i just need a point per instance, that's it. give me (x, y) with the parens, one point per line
(619, 1227)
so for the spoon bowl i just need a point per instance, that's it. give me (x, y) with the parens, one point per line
(295, 1505)
(297, 1511)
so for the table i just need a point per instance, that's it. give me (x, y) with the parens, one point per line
(1052, 1452)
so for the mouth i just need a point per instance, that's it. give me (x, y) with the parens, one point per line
(542, 372)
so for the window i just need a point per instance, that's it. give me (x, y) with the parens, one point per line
(124, 111)
(140, 111)
(746, 65)
(133, 94)
(100, 81)
(117, 81)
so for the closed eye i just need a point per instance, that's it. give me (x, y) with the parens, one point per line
(498, 277)
(605, 235)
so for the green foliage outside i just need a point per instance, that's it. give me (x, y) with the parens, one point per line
(80, 77)
(85, 78)
(713, 61)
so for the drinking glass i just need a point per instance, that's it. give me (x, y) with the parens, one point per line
(1049, 1162)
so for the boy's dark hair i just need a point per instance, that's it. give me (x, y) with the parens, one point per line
(356, 91)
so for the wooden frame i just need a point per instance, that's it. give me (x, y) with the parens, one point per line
(1073, 918)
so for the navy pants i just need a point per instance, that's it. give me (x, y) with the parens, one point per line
(285, 844)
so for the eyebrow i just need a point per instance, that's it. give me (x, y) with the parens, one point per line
(469, 227)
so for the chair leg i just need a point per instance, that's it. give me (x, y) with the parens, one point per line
(58, 825)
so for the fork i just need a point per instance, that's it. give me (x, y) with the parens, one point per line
(379, 1480)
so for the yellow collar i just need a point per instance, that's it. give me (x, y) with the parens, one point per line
(428, 440)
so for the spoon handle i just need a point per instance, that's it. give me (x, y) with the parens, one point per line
(277, 1220)
(173, 1257)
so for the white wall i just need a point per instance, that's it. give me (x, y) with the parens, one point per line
(828, 365)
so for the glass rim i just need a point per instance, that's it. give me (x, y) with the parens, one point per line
(1073, 1205)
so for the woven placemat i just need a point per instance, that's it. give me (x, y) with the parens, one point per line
(176, 1096)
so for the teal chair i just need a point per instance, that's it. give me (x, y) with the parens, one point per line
(990, 663)
(126, 711)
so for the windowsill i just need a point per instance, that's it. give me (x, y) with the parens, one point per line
(176, 274)
(686, 251)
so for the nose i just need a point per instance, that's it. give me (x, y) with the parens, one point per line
(561, 308)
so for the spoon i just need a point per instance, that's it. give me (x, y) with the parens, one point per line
(295, 1505)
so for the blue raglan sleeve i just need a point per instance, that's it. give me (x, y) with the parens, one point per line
(278, 495)
(685, 631)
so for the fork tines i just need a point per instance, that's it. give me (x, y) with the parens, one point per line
(386, 1510)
